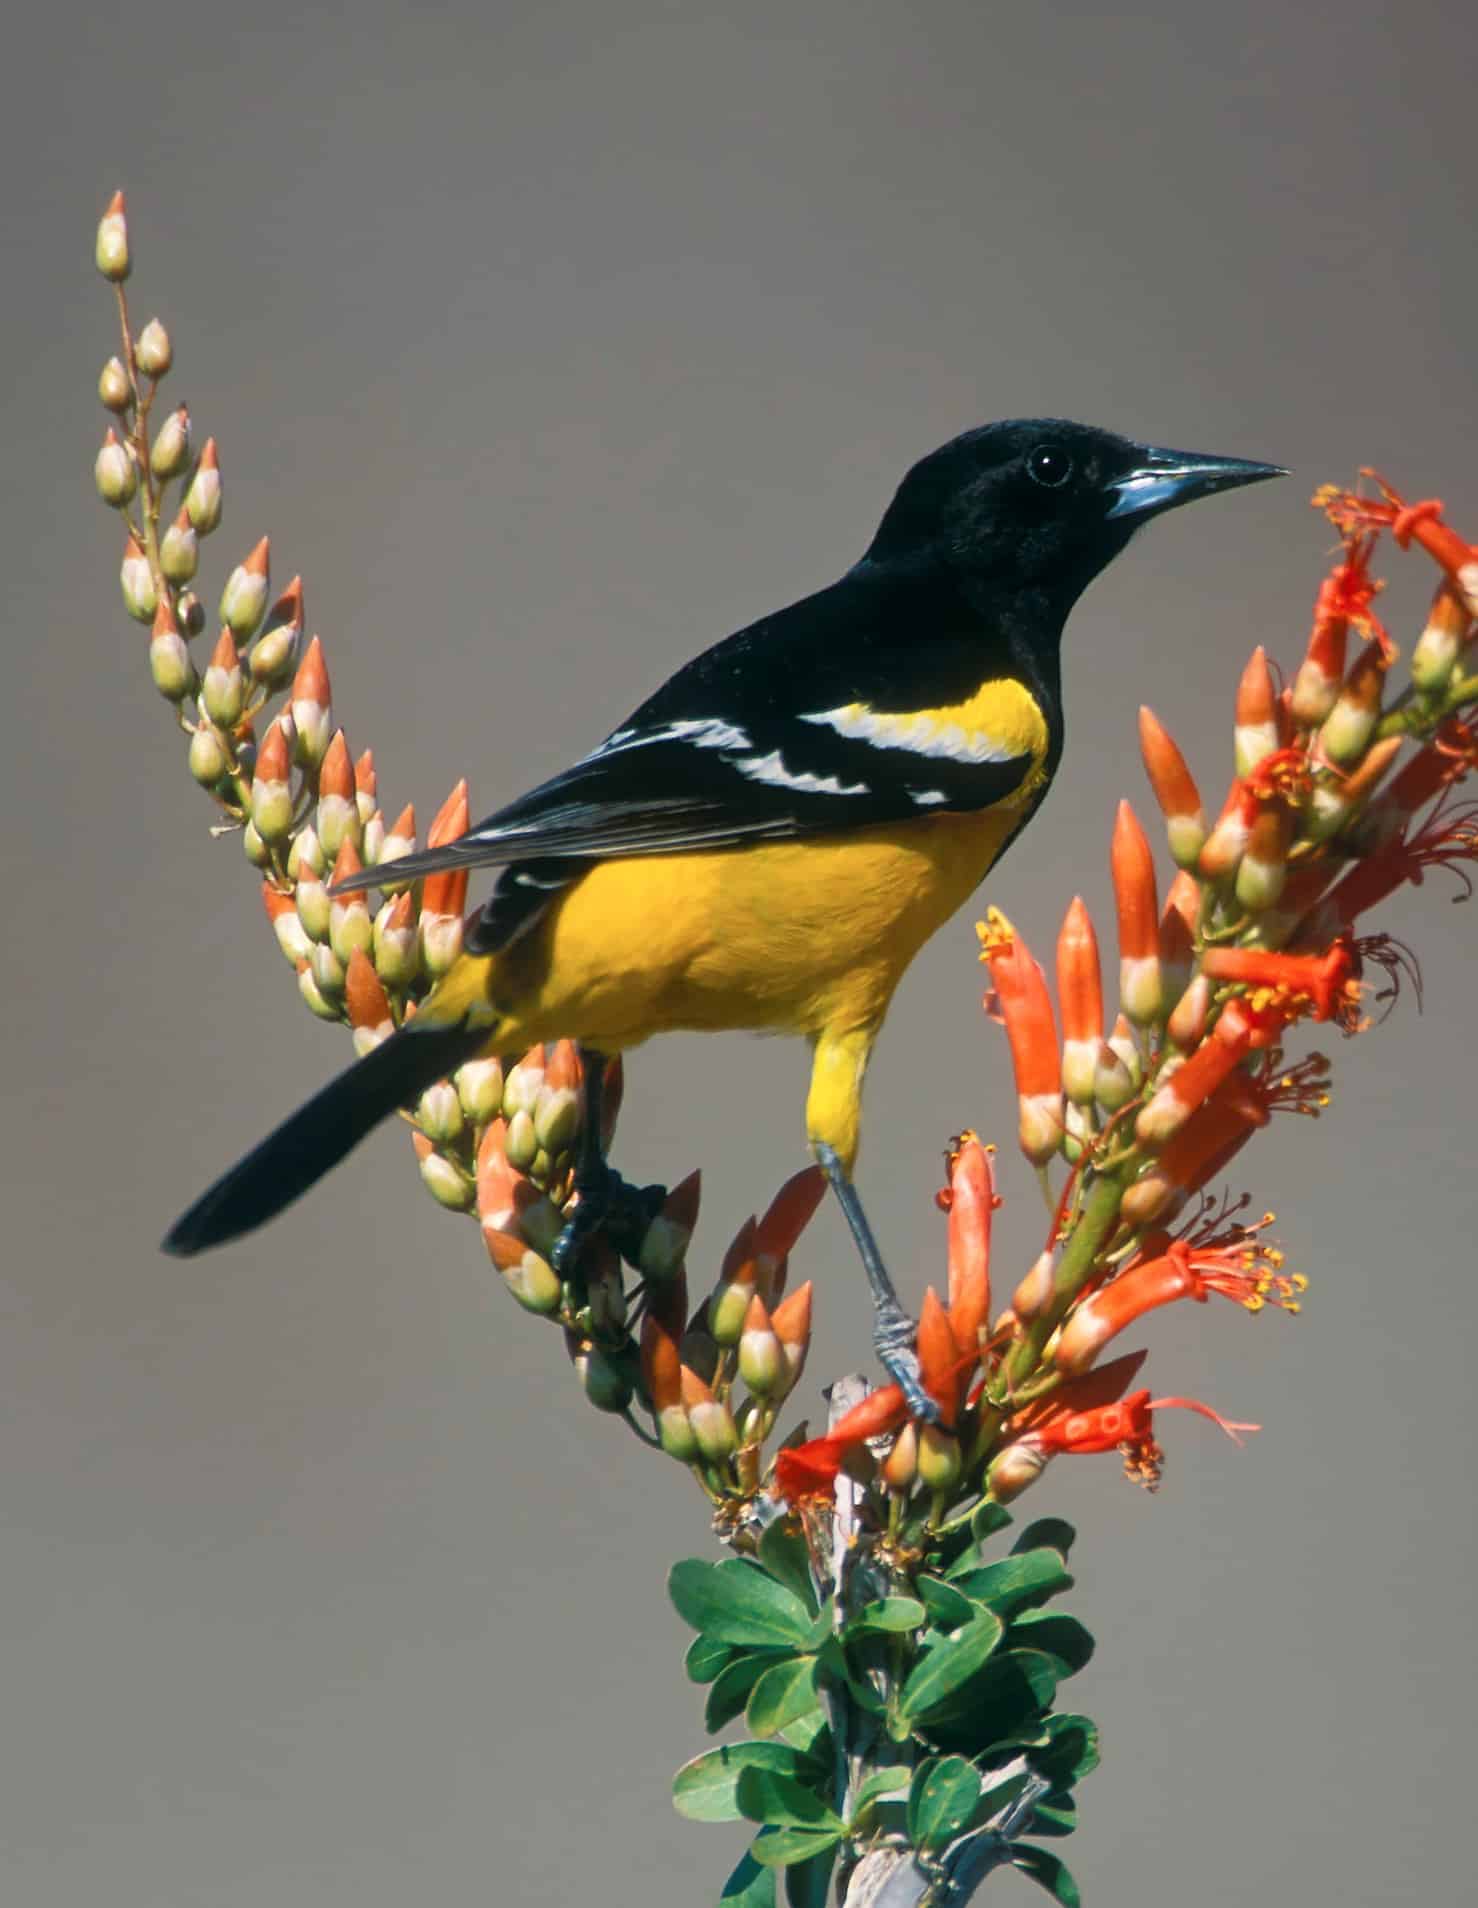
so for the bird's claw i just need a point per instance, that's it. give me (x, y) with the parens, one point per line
(610, 1204)
(893, 1339)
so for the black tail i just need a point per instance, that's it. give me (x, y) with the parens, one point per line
(319, 1134)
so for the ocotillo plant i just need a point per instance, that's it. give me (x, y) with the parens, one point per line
(896, 1667)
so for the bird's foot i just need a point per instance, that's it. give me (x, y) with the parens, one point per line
(893, 1336)
(605, 1202)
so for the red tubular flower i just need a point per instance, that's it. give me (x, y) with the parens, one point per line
(1175, 790)
(1026, 1009)
(1238, 1031)
(1080, 996)
(972, 1199)
(1256, 733)
(1448, 757)
(1126, 1427)
(1441, 641)
(1419, 522)
(1133, 866)
(810, 1470)
(1203, 1148)
(1343, 603)
(1238, 1267)
(1321, 984)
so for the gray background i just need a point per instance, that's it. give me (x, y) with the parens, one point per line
(550, 344)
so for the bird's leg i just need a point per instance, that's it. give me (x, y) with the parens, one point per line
(893, 1331)
(604, 1201)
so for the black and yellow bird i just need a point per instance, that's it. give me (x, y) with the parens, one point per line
(768, 840)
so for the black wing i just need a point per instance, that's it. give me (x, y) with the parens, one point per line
(759, 739)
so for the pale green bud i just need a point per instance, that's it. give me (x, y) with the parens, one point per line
(153, 353)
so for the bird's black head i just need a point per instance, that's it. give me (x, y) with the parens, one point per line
(1043, 504)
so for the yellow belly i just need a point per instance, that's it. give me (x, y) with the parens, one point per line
(789, 937)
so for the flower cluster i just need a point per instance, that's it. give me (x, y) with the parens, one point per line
(1259, 930)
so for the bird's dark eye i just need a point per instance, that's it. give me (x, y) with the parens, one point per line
(1049, 465)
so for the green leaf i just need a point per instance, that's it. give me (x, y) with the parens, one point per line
(807, 1732)
(888, 1614)
(947, 1606)
(1055, 1814)
(986, 1519)
(999, 1701)
(823, 1626)
(838, 1665)
(786, 1691)
(1055, 1533)
(783, 1554)
(784, 1846)
(1010, 1584)
(731, 1686)
(893, 1779)
(705, 1658)
(807, 1883)
(750, 1886)
(941, 1800)
(780, 1800)
(1072, 1750)
(997, 1795)
(735, 1602)
(1044, 1867)
(706, 1789)
(1059, 1635)
(949, 1665)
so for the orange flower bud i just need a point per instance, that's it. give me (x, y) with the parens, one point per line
(761, 1361)
(447, 1184)
(286, 925)
(1350, 724)
(397, 946)
(1175, 790)
(941, 1366)
(1263, 869)
(1080, 996)
(338, 813)
(275, 650)
(111, 254)
(1256, 733)
(349, 924)
(1026, 1009)
(369, 1010)
(444, 896)
(712, 1422)
(244, 599)
(1235, 1035)
(271, 789)
(972, 1199)
(1440, 643)
(791, 1321)
(312, 706)
(1133, 867)
(665, 1242)
(901, 1466)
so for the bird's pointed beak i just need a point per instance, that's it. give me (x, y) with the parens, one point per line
(1160, 479)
